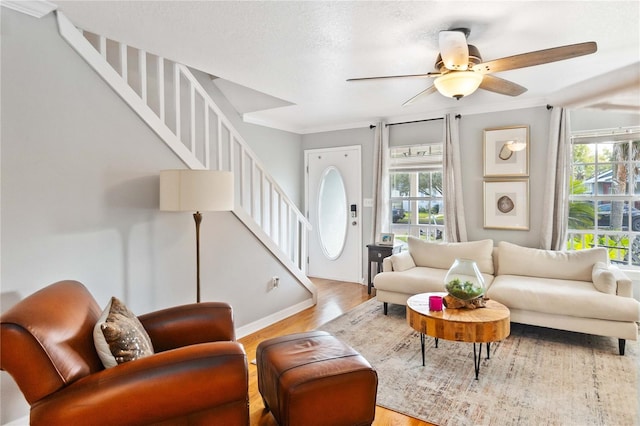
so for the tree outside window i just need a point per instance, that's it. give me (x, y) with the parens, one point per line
(604, 206)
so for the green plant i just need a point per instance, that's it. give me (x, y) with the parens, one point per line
(581, 213)
(463, 290)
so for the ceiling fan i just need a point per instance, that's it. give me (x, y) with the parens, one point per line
(460, 70)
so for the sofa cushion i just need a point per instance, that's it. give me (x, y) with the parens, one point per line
(562, 297)
(119, 336)
(402, 261)
(412, 281)
(563, 265)
(603, 279)
(416, 280)
(442, 255)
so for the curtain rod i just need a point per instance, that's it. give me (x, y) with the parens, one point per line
(416, 121)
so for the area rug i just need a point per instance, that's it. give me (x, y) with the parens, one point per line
(535, 376)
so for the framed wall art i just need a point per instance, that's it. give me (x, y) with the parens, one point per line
(506, 151)
(506, 204)
(386, 239)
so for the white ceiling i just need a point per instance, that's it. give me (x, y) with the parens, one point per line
(300, 53)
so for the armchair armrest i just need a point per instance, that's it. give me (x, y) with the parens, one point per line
(157, 388)
(189, 324)
(624, 285)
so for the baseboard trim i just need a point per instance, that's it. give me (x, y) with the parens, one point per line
(22, 421)
(250, 328)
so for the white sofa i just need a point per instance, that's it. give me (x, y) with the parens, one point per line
(568, 290)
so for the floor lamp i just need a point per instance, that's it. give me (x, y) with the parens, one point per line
(196, 191)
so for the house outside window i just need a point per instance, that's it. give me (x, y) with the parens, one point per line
(416, 199)
(604, 201)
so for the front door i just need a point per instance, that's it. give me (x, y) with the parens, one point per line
(333, 203)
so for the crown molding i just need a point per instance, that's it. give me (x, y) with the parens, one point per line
(616, 90)
(471, 110)
(251, 119)
(36, 8)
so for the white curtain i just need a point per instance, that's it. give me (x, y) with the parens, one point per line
(555, 206)
(380, 181)
(455, 227)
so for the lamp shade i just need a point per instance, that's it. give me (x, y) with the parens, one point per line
(196, 190)
(457, 84)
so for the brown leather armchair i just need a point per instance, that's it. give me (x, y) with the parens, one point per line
(198, 375)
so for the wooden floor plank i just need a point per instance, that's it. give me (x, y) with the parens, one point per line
(334, 299)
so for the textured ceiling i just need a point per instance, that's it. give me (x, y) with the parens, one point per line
(300, 53)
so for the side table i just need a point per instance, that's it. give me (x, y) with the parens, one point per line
(377, 253)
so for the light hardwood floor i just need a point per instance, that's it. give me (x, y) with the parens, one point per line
(334, 299)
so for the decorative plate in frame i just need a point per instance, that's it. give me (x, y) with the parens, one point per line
(506, 151)
(506, 204)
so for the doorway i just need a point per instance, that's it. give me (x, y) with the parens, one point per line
(333, 193)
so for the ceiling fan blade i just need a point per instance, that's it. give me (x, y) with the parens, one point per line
(425, 92)
(537, 58)
(502, 86)
(427, 75)
(454, 50)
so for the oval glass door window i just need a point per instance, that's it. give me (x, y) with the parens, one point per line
(332, 213)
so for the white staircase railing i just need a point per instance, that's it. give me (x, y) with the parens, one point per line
(169, 98)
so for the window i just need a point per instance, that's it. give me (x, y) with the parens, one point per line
(604, 201)
(416, 201)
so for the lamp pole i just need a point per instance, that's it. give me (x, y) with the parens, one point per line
(197, 217)
(196, 190)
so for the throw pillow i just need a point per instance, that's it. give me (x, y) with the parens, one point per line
(603, 279)
(562, 265)
(442, 255)
(402, 261)
(119, 335)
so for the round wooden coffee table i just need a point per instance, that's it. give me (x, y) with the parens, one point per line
(481, 325)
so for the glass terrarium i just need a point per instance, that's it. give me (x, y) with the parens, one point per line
(464, 280)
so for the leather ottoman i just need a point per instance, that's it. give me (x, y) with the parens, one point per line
(313, 378)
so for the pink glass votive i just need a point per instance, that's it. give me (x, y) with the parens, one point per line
(435, 303)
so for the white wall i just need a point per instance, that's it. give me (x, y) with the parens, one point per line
(79, 196)
(471, 145)
(588, 119)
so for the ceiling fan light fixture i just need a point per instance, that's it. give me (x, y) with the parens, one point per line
(457, 84)
(515, 145)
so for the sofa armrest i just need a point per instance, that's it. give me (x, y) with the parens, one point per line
(157, 388)
(398, 262)
(624, 285)
(387, 266)
(189, 324)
